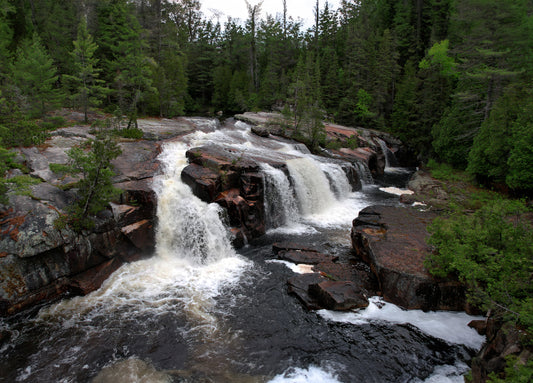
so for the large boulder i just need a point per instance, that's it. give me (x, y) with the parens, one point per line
(392, 240)
(331, 283)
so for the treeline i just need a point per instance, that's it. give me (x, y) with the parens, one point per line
(451, 78)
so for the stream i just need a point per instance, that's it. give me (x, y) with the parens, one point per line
(201, 311)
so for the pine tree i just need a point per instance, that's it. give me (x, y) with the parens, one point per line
(6, 36)
(483, 33)
(123, 51)
(87, 87)
(35, 75)
(95, 187)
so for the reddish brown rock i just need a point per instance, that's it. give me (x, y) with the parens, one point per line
(141, 234)
(392, 240)
(92, 279)
(366, 155)
(204, 182)
(306, 257)
(339, 295)
(299, 286)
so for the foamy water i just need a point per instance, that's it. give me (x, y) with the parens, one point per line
(449, 326)
(312, 374)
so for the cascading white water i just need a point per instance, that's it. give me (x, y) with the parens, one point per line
(280, 206)
(311, 185)
(390, 160)
(188, 227)
(339, 182)
(194, 259)
(365, 175)
(187, 290)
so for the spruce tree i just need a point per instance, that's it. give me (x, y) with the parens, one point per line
(35, 75)
(6, 36)
(87, 89)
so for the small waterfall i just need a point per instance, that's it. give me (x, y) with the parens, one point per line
(188, 227)
(280, 206)
(302, 148)
(311, 185)
(365, 175)
(390, 159)
(340, 185)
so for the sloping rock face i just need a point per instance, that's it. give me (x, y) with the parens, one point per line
(392, 241)
(41, 261)
(368, 149)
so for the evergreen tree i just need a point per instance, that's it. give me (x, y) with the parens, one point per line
(87, 87)
(35, 75)
(95, 189)
(502, 151)
(123, 49)
(6, 36)
(483, 32)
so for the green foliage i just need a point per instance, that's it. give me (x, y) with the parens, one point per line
(444, 172)
(134, 133)
(6, 35)
(502, 150)
(35, 75)
(491, 251)
(5, 160)
(21, 184)
(438, 56)
(515, 372)
(86, 88)
(363, 105)
(60, 168)
(23, 132)
(95, 189)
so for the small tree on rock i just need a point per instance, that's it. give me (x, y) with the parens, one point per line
(93, 163)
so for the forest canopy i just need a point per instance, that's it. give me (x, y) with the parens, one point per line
(451, 78)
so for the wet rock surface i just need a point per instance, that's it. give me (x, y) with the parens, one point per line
(332, 284)
(392, 241)
(41, 261)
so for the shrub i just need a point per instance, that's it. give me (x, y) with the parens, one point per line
(491, 252)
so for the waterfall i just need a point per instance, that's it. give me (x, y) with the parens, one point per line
(187, 226)
(311, 186)
(390, 159)
(365, 175)
(340, 185)
(280, 206)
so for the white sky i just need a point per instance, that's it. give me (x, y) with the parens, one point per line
(237, 8)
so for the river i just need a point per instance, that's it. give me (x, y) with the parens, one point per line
(201, 311)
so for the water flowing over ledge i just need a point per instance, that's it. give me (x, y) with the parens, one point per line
(199, 309)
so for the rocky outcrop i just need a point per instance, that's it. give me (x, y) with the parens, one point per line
(40, 260)
(392, 240)
(355, 144)
(330, 283)
(234, 179)
(503, 341)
